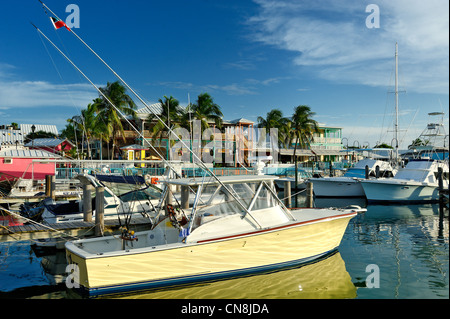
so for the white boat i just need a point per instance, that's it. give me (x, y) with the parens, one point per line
(416, 183)
(26, 188)
(349, 185)
(248, 231)
(139, 203)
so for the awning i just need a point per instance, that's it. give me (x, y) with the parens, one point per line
(328, 152)
(134, 147)
(299, 152)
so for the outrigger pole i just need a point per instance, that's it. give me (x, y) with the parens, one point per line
(198, 160)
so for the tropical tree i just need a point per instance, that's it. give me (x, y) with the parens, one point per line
(274, 120)
(108, 116)
(303, 128)
(418, 142)
(204, 110)
(170, 116)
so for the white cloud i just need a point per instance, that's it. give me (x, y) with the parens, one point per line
(25, 94)
(229, 89)
(331, 37)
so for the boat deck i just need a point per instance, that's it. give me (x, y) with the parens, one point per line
(68, 229)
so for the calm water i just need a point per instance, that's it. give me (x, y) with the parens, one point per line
(406, 246)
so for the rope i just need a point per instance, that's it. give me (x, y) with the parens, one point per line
(39, 224)
(294, 194)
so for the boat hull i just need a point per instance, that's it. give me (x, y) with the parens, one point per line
(337, 187)
(396, 192)
(213, 259)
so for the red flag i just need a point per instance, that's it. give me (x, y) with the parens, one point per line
(58, 24)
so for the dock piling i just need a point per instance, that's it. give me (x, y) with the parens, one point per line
(87, 203)
(99, 211)
(287, 194)
(50, 186)
(309, 195)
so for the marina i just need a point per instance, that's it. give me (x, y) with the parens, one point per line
(408, 243)
(172, 200)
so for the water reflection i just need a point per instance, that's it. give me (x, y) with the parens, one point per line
(410, 245)
(324, 279)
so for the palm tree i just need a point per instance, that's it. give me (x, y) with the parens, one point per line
(108, 116)
(303, 129)
(170, 116)
(205, 110)
(275, 120)
(303, 126)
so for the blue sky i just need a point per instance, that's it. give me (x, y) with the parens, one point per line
(251, 56)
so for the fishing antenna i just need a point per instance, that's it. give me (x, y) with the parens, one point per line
(198, 161)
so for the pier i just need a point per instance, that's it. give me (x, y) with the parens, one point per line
(78, 229)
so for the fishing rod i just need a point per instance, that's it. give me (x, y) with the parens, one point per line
(123, 116)
(89, 80)
(197, 161)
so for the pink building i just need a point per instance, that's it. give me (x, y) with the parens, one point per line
(17, 162)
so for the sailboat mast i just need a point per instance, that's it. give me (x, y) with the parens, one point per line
(396, 103)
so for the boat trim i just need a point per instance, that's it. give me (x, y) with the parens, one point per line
(72, 246)
(277, 228)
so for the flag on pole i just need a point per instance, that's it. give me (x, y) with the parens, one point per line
(58, 23)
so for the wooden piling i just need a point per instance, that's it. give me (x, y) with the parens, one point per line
(87, 203)
(287, 194)
(309, 195)
(50, 186)
(99, 211)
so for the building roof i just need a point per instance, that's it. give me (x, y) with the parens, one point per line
(26, 128)
(46, 142)
(241, 121)
(11, 136)
(26, 153)
(154, 108)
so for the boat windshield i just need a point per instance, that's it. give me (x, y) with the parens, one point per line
(219, 203)
(143, 194)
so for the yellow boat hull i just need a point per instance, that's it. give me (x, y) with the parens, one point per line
(211, 259)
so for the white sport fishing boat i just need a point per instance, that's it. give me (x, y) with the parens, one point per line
(248, 231)
(139, 203)
(416, 183)
(349, 185)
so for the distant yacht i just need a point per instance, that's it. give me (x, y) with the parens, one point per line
(349, 185)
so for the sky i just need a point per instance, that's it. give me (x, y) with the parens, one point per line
(337, 57)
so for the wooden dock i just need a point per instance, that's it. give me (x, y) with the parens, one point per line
(79, 229)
